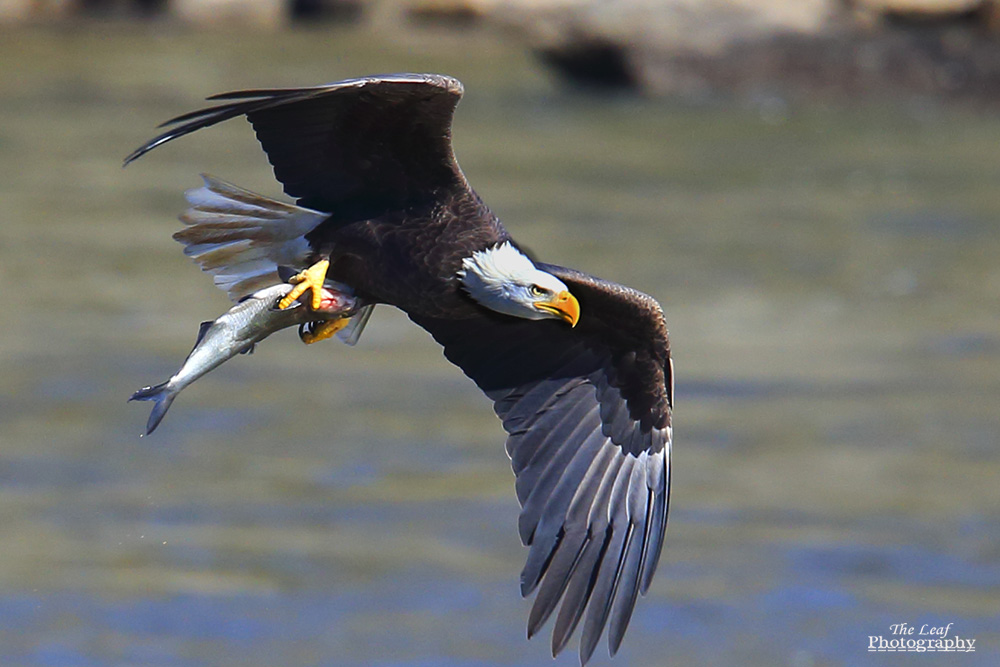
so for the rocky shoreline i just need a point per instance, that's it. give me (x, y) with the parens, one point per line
(897, 64)
(864, 49)
(692, 49)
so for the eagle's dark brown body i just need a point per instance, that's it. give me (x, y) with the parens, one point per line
(587, 409)
(370, 255)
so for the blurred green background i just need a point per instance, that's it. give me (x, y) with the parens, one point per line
(829, 273)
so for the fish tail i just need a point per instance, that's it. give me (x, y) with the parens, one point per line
(163, 397)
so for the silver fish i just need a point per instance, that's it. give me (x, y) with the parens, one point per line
(247, 323)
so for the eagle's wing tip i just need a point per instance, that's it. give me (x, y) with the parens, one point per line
(449, 83)
(133, 156)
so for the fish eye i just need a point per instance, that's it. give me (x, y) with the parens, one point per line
(537, 290)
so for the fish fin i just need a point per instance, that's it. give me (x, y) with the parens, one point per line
(250, 349)
(286, 273)
(242, 237)
(352, 332)
(202, 330)
(163, 396)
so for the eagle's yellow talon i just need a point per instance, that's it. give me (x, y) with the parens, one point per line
(323, 330)
(310, 279)
(290, 298)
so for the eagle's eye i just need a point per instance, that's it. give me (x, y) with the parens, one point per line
(537, 291)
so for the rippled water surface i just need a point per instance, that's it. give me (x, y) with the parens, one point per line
(832, 284)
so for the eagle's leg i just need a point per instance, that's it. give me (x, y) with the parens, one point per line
(318, 331)
(310, 279)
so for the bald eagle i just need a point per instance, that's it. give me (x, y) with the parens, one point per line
(578, 368)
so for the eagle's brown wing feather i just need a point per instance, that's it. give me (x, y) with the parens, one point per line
(351, 147)
(587, 412)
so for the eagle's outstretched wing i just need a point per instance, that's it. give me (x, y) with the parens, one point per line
(346, 150)
(350, 147)
(588, 413)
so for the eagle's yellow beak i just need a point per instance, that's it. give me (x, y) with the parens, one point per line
(564, 306)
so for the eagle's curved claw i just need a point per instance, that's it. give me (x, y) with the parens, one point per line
(310, 279)
(313, 332)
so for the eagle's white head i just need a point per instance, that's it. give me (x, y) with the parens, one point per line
(502, 278)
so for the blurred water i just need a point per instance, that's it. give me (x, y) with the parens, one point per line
(830, 279)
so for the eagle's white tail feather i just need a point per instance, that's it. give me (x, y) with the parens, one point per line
(218, 196)
(242, 237)
(245, 284)
(228, 275)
